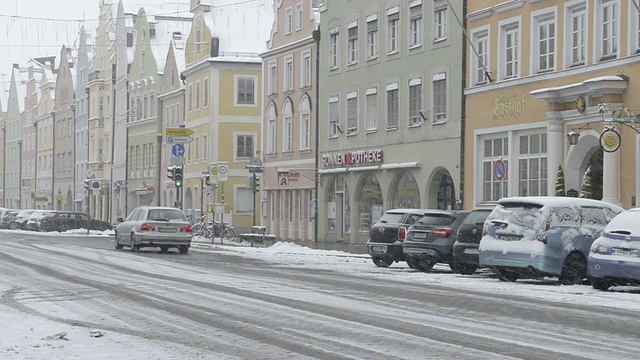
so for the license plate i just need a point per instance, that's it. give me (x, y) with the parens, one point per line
(379, 249)
(510, 238)
(622, 252)
(471, 251)
(167, 229)
(419, 235)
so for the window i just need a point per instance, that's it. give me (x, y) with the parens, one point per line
(510, 54)
(305, 75)
(393, 39)
(205, 147)
(244, 146)
(544, 45)
(577, 37)
(305, 124)
(439, 97)
(334, 48)
(70, 127)
(288, 74)
(273, 78)
(298, 16)
(372, 37)
(288, 20)
(440, 24)
(190, 98)
(352, 113)
(372, 108)
(271, 129)
(480, 61)
(607, 33)
(532, 165)
(635, 30)
(415, 26)
(392, 106)
(287, 127)
(245, 90)
(205, 93)
(197, 95)
(334, 116)
(197, 146)
(353, 43)
(494, 149)
(415, 101)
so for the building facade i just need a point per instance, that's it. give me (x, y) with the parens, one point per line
(81, 121)
(289, 121)
(541, 71)
(12, 131)
(390, 113)
(29, 134)
(44, 120)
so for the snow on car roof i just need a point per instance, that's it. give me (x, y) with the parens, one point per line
(558, 201)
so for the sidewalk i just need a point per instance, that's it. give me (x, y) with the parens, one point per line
(350, 248)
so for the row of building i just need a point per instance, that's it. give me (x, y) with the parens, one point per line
(347, 108)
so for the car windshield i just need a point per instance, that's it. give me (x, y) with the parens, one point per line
(436, 219)
(166, 215)
(391, 218)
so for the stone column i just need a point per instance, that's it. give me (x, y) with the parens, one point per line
(555, 152)
(611, 177)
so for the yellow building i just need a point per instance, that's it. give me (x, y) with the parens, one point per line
(538, 71)
(43, 118)
(223, 106)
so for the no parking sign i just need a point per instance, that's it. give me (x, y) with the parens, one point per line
(499, 170)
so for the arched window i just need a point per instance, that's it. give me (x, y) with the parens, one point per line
(370, 207)
(406, 194)
(305, 124)
(287, 127)
(271, 128)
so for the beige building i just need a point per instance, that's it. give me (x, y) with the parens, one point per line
(289, 127)
(537, 71)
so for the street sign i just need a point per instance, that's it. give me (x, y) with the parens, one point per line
(89, 174)
(499, 170)
(96, 185)
(223, 171)
(179, 139)
(178, 132)
(177, 150)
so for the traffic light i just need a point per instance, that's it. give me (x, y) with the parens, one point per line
(257, 184)
(177, 176)
(171, 172)
(86, 184)
(207, 180)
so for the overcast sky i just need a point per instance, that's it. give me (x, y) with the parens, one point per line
(36, 28)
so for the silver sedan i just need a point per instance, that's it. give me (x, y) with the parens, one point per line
(153, 226)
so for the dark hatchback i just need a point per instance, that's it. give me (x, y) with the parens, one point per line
(430, 240)
(465, 249)
(388, 233)
(67, 220)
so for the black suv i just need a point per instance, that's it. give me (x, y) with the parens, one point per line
(465, 249)
(430, 239)
(67, 220)
(388, 233)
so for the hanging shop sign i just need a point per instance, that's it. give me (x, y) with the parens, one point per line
(610, 140)
(352, 158)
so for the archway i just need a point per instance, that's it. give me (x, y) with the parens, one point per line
(441, 192)
(593, 166)
(370, 203)
(405, 192)
(69, 201)
(188, 202)
(579, 158)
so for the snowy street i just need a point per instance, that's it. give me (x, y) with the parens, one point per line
(66, 296)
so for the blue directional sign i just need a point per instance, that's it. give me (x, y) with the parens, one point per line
(178, 150)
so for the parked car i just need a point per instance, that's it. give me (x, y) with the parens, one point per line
(465, 249)
(430, 240)
(151, 226)
(388, 233)
(543, 236)
(33, 223)
(8, 220)
(67, 220)
(21, 219)
(615, 256)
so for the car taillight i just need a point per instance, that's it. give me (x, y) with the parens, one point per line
(442, 232)
(146, 227)
(185, 229)
(402, 233)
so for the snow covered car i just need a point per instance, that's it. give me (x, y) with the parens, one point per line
(33, 223)
(615, 256)
(153, 226)
(430, 240)
(388, 233)
(542, 236)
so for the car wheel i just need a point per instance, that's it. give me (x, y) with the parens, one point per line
(164, 249)
(506, 275)
(117, 242)
(574, 269)
(600, 284)
(381, 262)
(64, 227)
(134, 246)
(13, 226)
(467, 269)
(411, 263)
(455, 266)
(183, 249)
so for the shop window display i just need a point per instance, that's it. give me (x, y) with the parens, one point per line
(406, 194)
(370, 205)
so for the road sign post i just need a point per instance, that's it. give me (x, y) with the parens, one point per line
(178, 132)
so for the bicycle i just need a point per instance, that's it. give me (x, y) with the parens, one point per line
(222, 230)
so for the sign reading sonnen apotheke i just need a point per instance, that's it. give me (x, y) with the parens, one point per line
(352, 158)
